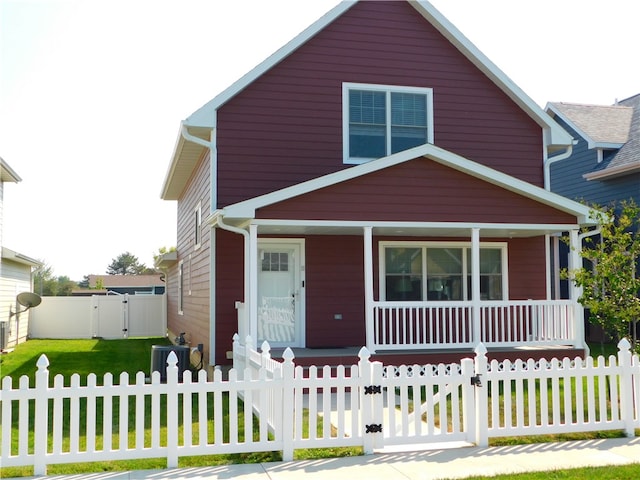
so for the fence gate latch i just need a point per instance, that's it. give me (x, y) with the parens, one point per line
(374, 428)
(372, 389)
(475, 380)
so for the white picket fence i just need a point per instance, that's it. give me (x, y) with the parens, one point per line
(265, 405)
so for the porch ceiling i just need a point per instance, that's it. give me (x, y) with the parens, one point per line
(405, 229)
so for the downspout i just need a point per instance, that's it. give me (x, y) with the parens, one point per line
(219, 220)
(213, 159)
(546, 167)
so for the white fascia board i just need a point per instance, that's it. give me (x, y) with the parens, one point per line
(8, 174)
(173, 163)
(247, 208)
(8, 254)
(613, 171)
(512, 184)
(516, 227)
(557, 136)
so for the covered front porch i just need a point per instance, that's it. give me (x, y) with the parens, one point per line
(421, 251)
(444, 329)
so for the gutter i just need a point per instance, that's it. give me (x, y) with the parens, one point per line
(184, 131)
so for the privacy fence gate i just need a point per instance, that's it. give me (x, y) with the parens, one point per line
(266, 405)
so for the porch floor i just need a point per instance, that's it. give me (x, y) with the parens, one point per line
(349, 355)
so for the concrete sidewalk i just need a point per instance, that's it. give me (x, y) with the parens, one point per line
(438, 463)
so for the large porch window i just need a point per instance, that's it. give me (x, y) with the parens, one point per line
(411, 271)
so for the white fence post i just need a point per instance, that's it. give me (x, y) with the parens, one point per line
(481, 400)
(367, 402)
(41, 421)
(626, 387)
(172, 410)
(286, 430)
(469, 400)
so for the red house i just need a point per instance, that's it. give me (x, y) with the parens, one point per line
(377, 181)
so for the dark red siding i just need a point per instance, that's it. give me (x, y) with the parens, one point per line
(418, 190)
(286, 127)
(335, 285)
(229, 289)
(194, 320)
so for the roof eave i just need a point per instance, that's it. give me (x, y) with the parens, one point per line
(613, 172)
(8, 174)
(185, 157)
(12, 255)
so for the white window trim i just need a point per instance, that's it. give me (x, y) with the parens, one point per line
(382, 277)
(346, 86)
(197, 240)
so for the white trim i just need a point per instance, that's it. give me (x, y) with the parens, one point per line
(515, 227)
(612, 172)
(247, 208)
(387, 90)
(425, 245)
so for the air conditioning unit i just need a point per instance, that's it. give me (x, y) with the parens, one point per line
(160, 354)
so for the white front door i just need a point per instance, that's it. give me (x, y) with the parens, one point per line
(281, 292)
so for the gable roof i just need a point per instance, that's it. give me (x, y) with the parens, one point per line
(111, 281)
(247, 209)
(197, 126)
(598, 125)
(612, 127)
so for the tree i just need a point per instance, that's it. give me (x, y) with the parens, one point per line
(126, 264)
(611, 281)
(47, 285)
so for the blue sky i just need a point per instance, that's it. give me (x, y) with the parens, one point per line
(92, 93)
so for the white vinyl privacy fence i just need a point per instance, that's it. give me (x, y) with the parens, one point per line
(106, 316)
(265, 405)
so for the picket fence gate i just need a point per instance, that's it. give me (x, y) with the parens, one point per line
(266, 405)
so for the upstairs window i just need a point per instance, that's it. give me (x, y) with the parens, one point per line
(379, 120)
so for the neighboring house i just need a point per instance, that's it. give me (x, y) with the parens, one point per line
(15, 277)
(121, 284)
(604, 165)
(602, 168)
(377, 181)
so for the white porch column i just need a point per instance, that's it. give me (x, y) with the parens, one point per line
(575, 292)
(475, 283)
(252, 284)
(368, 288)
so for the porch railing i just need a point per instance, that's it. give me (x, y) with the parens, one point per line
(449, 325)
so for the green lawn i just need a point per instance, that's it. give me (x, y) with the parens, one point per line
(132, 355)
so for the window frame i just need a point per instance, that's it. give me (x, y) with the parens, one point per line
(382, 273)
(388, 90)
